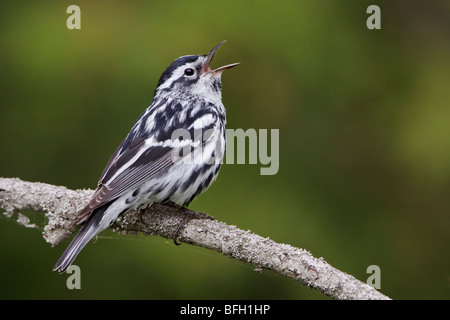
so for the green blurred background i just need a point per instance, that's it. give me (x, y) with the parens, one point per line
(364, 121)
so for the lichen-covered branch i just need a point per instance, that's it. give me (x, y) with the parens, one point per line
(60, 206)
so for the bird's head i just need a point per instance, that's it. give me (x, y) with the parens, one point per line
(193, 76)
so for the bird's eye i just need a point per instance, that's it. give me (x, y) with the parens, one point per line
(189, 72)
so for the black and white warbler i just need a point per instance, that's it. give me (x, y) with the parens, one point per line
(152, 165)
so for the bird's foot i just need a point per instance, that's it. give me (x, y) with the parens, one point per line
(189, 215)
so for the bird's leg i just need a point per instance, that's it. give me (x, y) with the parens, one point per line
(187, 217)
(142, 211)
(189, 214)
(140, 216)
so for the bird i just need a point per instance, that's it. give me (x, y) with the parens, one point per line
(172, 153)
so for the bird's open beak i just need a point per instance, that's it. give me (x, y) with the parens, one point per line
(210, 55)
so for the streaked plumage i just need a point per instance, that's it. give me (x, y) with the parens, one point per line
(151, 165)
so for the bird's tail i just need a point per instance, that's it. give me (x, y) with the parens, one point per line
(87, 232)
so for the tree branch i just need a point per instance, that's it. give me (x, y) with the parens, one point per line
(60, 206)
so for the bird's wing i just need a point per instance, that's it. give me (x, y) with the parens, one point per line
(127, 171)
(134, 163)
